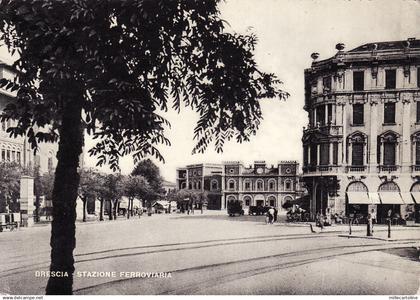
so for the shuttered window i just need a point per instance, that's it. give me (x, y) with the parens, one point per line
(320, 114)
(358, 114)
(390, 79)
(314, 159)
(357, 154)
(418, 153)
(325, 154)
(335, 153)
(389, 113)
(358, 80)
(418, 111)
(389, 154)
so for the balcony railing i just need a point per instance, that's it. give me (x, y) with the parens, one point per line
(320, 169)
(388, 168)
(415, 168)
(356, 169)
(328, 129)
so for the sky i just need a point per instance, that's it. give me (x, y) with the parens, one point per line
(288, 32)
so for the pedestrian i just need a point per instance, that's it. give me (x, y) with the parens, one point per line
(328, 217)
(271, 215)
(275, 215)
(373, 216)
(320, 220)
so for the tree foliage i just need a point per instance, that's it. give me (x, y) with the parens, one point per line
(126, 60)
(10, 174)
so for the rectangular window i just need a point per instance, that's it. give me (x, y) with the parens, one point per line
(3, 155)
(357, 155)
(358, 80)
(358, 114)
(389, 113)
(418, 154)
(326, 83)
(18, 157)
(13, 156)
(329, 117)
(418, 77)
(314, 158)
(247, 185)
(418, 111)
(305, 155)
(325, 154)
(390, 79)
(320, 114)
(389, 154)
(8, 155)
(335, 153)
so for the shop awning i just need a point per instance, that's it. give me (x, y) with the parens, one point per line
(416, 196)
(358, 198)
(407, 198)
(391, 198)
(374, 198)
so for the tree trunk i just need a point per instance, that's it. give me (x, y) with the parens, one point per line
(84, 200)
(111, 210)
(66, 183)
(101, 213)
(115, 209)
(128, 208)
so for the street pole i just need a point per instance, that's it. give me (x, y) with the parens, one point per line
(389, 228)
(350, 221)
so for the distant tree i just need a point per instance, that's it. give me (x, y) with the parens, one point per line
(10, 174)
(151, 172)
(114, 190)
(47, 183)
(101, 193)
(135, 187)
(88, 188)
(109, 67)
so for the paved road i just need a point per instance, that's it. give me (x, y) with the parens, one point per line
(215, 254)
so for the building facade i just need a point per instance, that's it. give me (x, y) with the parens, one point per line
(256, 185)
(361, 148)
(17, 149)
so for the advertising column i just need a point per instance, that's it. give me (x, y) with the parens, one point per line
(27, 200)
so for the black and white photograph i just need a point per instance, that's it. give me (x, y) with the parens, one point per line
(210, 148)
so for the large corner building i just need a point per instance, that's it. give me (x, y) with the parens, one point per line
(361, 147)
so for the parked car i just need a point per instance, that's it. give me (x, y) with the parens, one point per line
(258, 210)
(234, 208)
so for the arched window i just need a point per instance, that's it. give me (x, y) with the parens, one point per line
(260, 185)
(271, 185)
(247, 185)
(199, 185)
(357, 186)
(190, 186)
(247, 200)
(183, 185)
(272, 201)
(214, 185)
(231, 184)
(287, 185)
(416, 148)
(389, 187)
